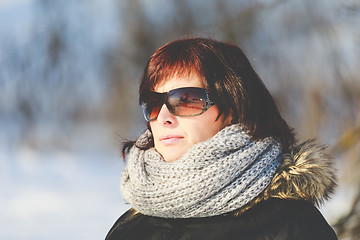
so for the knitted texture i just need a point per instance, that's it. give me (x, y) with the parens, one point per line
(213, 177)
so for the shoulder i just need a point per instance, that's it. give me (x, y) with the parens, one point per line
(283, 207)
(271, 219)
(128, 219)
(289, 219)
(133, 225)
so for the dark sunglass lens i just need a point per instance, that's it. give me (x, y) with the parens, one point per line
(154, 112)
(187, 101)
(151, 110)
(152, 105)
(182, 102)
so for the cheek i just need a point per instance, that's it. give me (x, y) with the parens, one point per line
(205, 128)
(154, 129)
(201, 133)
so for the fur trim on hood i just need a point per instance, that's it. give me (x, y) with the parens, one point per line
(307, 173)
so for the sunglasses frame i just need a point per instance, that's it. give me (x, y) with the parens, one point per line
(163, 97)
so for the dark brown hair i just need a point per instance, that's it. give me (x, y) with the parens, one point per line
(229, 78)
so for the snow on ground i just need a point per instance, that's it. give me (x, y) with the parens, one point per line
(58, 194)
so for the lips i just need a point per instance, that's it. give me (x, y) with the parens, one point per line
(170, 139)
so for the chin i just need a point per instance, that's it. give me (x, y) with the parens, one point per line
(171, 157)
(171, 153)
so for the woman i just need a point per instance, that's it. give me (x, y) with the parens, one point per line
(218, 161)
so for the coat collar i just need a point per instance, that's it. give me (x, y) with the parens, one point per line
(307, 173)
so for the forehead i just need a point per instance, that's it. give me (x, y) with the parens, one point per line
(168, 84)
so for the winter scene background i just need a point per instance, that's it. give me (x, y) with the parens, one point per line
(69, 73)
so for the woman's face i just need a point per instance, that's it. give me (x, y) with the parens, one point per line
(173, 136)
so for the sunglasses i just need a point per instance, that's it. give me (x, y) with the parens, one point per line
(181, 102)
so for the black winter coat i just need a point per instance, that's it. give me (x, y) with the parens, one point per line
(271, 219)
(285, 210)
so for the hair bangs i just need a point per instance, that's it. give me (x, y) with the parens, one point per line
(173, 61)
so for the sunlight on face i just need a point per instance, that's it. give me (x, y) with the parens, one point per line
(173, 136)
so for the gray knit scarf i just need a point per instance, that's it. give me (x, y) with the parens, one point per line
(213, 177)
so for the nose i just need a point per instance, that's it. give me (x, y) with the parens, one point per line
(165, 117)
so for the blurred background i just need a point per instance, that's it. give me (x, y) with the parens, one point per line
(69, 73)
